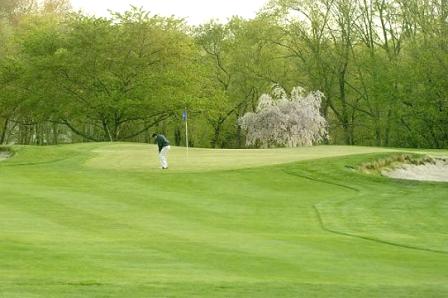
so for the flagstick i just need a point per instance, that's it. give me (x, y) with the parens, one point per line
(186, 131)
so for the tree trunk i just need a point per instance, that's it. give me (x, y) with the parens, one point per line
(177, 136)
(217, 133)
(4, 131)
(344, 113)
(107, 134)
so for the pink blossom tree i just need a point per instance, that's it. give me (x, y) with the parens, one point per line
(286, 120)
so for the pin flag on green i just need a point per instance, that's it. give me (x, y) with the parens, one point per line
(185, 119)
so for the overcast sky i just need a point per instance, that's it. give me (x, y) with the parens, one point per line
(195, 11)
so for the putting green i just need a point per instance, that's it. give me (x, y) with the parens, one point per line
(142, 157)
(101, 220)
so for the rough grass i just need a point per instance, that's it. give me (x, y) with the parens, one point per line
(89, 220)
(394, 160)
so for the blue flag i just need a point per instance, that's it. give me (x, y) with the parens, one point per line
(184, 115)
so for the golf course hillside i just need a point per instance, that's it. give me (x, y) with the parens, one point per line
(102, 220)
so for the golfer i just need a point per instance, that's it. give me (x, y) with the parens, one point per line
(164, 147)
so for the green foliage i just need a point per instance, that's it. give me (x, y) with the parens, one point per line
(67, 77)
(117, 74)
(6, 148)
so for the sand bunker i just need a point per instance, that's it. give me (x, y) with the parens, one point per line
(434, 171)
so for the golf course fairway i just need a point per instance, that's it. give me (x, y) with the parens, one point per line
(102, 220)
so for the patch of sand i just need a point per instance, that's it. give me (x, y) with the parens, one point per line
(437, 171)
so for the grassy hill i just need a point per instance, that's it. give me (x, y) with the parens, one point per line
(102, 220)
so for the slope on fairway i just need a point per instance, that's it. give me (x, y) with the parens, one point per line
(89, 220)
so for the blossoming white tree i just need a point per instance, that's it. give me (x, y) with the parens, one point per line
(282, 120)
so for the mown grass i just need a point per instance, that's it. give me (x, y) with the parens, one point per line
(101, 220)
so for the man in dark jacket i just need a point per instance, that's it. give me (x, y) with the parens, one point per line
(164, 147)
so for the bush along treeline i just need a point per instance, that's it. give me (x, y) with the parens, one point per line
(380, 66)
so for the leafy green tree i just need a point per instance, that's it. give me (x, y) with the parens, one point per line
(112, 79)
(242, 62)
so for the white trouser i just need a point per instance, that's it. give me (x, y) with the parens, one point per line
(163, 156)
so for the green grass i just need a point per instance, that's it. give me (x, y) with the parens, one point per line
(101, 220)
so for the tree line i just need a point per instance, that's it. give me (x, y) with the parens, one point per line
(382, 66)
